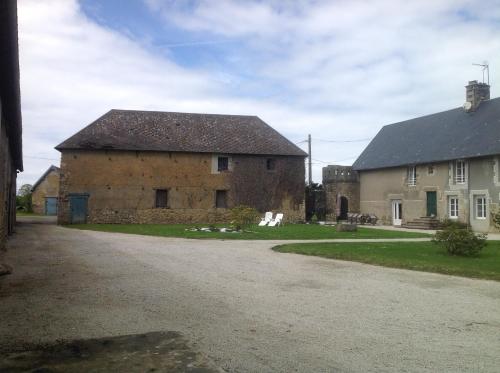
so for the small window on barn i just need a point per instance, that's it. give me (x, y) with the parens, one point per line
(223, 163)
(270, 164)
(221, 199)
(161, 198)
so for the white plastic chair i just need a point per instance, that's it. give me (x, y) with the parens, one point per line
(268, 217)
(276, 221)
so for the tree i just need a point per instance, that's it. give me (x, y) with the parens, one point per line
(23, 198)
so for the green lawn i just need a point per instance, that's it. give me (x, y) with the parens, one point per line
(286, 232)
(418, 256)
(23, 213)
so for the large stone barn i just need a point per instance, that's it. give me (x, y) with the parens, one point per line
(10, 117)
(162, 167)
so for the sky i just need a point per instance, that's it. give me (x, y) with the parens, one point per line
(338, 70)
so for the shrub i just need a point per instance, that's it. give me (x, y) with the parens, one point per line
(242, 215)
(495, 216)
(458, 239)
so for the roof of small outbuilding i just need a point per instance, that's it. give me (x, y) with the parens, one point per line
(45, 174)
(181, 132)
(452, 134)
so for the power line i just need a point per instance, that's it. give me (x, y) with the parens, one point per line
(342, 141)
(48, 159)
(331, 162)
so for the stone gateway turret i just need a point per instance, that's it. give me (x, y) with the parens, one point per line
(341, 184)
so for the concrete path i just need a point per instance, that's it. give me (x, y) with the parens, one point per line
(491, 236)
(247, 308)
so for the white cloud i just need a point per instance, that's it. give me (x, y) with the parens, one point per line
(338, 70)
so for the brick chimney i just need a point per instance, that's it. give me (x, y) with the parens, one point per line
(475, 93)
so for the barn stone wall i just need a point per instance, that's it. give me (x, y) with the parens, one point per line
(340, 181)
(121, 186)
(7, 186)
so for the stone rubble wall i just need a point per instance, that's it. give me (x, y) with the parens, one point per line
(121, 186)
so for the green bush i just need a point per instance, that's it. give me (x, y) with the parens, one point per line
(495, 216)
(242, 215)
(23, 199)
(458, 239)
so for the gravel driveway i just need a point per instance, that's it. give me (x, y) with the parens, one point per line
(246, 307)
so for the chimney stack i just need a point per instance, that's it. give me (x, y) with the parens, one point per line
(475, 93)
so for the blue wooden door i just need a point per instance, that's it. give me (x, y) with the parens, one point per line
(51, 206)
(78, 207)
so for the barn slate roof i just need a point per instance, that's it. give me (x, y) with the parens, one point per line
(181, 132)
(444, 136)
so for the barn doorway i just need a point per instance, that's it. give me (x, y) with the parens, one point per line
(344, 208)
(78, 208)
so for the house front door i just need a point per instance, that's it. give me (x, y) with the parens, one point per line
(397, 212)
(431, 204)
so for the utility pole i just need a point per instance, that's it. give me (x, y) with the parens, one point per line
(310, 159)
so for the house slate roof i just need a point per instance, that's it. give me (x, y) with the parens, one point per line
(444, 136)
(181, 132)
(45, 174)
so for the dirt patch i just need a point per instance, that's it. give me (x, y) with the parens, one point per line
(150, 352)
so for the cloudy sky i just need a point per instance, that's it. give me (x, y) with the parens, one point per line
(338, 70)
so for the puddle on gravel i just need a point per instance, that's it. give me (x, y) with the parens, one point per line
(150, 352)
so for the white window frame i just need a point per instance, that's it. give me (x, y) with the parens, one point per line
(453, 207)
(460, 172)
(480, 205)
(412, 175)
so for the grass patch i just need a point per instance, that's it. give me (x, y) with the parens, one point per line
(286, 232)
(418, 256)
(24, 213)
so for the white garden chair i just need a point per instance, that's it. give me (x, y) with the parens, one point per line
(268, 217)
(278, 220)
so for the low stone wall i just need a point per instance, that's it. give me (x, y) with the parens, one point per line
(176, 216)
(159, 216)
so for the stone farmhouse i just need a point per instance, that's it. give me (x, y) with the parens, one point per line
(10, 119)
(440, 166)
(163, 167)
(45, 192)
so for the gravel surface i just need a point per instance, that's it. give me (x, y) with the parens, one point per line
(246, 307)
